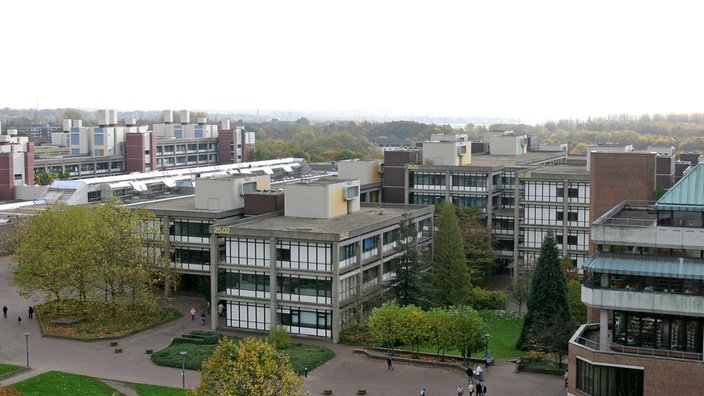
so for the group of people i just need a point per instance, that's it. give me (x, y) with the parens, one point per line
(19, 318)
(471, 388)
(221, 310)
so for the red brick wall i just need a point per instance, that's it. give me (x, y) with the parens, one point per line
(225, 139)
(618, 177)
(134, 152)
(7, 177)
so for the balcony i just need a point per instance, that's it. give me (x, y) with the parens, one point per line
(587, 339)
(642, 301)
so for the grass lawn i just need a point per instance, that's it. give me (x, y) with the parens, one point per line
(56, 383)
(301, 356)
(8, 368)
(504, 330)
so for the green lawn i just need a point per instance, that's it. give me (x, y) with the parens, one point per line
(8, 368)
(504, 329)
(56, 383)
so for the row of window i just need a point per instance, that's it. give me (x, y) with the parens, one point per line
(648, 330)
(73, 169)
(256, 316)
(608, 380)
(286, 284)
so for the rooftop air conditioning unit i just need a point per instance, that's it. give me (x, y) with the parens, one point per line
(462, 150)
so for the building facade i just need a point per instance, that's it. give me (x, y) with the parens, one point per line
(644, 287)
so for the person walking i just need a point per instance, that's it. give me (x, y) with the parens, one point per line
(221, 309)
(31, 312)
(422, 392)
(470, 375)
(483, 390)
(460, 390)
(470, 389)
(4, 311)
(389, 363)
(478, 388)
(193, 313)
(208, 306)
(19, 320)
(202, 318)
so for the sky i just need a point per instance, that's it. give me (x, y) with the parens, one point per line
(529, 60)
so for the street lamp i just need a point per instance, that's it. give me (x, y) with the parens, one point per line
(183, 369)
(486, 350)
(26, 346)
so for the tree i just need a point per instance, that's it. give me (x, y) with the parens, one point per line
(481, 256)
(470, 330)
(451, 282)
(44, 179)
(385, 324)
(407, 285)
(574, 299)
(104, 252)
(252, 367)
(547, 303)
(520, 289)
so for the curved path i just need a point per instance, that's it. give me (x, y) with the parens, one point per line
(344, 374)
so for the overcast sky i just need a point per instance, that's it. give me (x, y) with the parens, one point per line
(533, 60)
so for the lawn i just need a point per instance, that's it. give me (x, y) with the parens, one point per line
(8, 368)
(301, 356)
(56, 383)
(504, 330)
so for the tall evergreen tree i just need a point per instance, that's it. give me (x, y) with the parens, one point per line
(547, 325)
(407, 285)
(451, 281)
(481, 256)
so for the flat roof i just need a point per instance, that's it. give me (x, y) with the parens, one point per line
(370, 216)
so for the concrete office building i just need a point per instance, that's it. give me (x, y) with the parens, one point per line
(644, 287)
(16, 163)
(311, 266)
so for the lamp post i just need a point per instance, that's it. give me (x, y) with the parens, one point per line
(183, 369)
(486, 350)
(26, 346)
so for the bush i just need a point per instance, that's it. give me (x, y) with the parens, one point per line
(481, 299)
(355, 335)
(279, 337)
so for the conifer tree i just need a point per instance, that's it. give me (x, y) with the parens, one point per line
(407, 285)
(547, 325)
(451, 281)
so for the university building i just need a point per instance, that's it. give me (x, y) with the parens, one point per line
(644, 286)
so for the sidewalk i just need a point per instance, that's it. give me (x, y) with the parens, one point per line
(344, 374)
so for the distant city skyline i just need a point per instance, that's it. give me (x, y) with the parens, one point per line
(528, 61)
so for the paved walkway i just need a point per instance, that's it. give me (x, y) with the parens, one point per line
(344, 374)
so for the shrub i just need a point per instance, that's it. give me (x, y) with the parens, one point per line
(355, 335)
(279, 337)
(481, 299)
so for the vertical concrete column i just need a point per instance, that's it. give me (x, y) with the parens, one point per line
(214, 267)
(603, 330)
(336, 319)
(273, 302)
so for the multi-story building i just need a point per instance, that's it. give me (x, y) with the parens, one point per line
(111, 149)
(644, 287)
(312, 267)
(16, 163)
(522, 192)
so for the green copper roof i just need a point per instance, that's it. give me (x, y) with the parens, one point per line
(687, 194)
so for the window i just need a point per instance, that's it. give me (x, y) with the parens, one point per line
(283, 254)
(573, 193)
(594, 379)
(572, 216)
(249, 187)
(559, 192)
(348, 251)
(369, 244)
(352, 192)
(560, 216)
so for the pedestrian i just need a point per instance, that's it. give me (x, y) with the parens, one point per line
(470, 375)
(483, 390)
(202, 318)
(19, 320)
(460, 390)
(470, 389)
(422, 392)
(389, 363)
(478, 388)
(208, 307)
(4, 311)
(31, 311)
(193, 313)
(221, 309)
